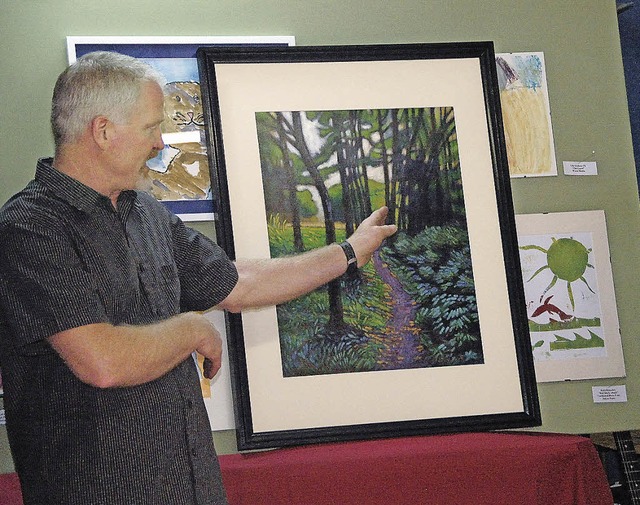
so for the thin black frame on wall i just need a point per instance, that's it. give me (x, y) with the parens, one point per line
(427, 115)
(628, 18)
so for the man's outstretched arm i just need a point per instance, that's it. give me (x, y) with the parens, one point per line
(272, 281)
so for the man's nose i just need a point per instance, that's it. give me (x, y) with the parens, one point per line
(159, 144)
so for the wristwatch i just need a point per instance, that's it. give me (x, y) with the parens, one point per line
(352, 261)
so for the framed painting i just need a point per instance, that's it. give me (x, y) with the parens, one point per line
(432, 334)
(179, 175)
(570, 298)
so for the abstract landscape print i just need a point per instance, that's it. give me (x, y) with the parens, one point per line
(414, 305)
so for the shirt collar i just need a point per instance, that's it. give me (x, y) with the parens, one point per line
(73, 191)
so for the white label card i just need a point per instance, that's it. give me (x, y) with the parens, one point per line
(608, 394)
(580, 167)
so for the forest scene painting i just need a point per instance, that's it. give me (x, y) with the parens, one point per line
(414, 305)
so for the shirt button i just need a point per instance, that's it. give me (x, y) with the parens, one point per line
(189, 404)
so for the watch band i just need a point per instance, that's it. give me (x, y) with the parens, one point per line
(352, 260)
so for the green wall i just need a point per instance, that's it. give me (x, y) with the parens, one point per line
(586, 86)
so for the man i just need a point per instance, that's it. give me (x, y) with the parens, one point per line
(101, 291)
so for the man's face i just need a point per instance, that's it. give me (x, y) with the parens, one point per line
(139, 139)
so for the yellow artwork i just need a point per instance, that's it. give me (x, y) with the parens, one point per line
(525, 114)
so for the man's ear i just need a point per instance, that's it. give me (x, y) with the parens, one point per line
(101, 131)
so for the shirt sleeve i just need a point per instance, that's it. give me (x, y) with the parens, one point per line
(207, 275)
(44, 287)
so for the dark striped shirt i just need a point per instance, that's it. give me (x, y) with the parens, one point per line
(68, 259)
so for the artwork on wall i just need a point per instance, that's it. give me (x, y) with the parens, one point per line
(179, 175)
(570, 297)
(526, 114)
(432, 334)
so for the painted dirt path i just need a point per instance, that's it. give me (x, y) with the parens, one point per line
(401, 343)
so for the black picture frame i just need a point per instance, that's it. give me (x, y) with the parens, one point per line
(274, 408)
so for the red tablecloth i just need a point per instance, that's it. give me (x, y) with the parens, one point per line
(461, 469)
(468, 468)
(10, 489)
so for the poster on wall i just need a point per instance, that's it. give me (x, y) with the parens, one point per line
(421, 338)
(570, 299)
(179, 176)
(526, 114)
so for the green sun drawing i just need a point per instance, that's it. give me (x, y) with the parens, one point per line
(568, 260)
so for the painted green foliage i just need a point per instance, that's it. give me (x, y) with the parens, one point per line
(578, 342)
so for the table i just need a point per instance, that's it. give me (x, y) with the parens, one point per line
(459, 469)
(511, 468)
(10, 493)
